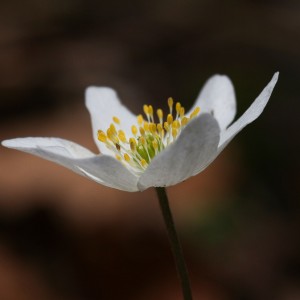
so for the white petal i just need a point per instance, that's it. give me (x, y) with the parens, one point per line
(53, 149)
(195, 145)
(108, 171)
(218, 97)
(252, 113)
(55, 145)
(103, 104)
(101, 168)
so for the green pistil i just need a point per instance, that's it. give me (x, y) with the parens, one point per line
(146, 151)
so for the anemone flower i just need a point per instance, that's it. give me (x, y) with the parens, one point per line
(154, 150)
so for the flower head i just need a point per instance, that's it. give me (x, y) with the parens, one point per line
(153, 149)
(148, 136)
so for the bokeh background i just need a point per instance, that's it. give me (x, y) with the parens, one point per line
(64, 237)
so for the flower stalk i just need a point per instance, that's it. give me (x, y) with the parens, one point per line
(175, 243)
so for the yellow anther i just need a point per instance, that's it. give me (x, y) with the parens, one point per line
(134, 130)
(143, 163)
(174, 133)
(102, 136)
(116, 120)
(146, 126)
(170, 104)
(178, 107)
(176, 124)
(153, 128)
(170, 119)
(184, 121)
(132, 143)
(122, 136)
(113, 128)
(195, 112)
(159, 128)
(181, 113)
(140, 119)
(150, 110)
(111, 134)
(146, 109)
(132, 140)
(148, 138)
(155, 144)
(166, 126)
(160, 115)
(142, 131)
(142, 140)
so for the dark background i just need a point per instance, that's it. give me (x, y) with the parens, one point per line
(63, 237)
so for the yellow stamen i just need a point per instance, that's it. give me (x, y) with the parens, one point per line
(178, 107)
(132, 143)
(113, 128)
(146, 126)
(116, 120)
(160, 130)
(150, 110)
(142, 140)
(174, 132)
(122, 136)
(134, 130)
(140, 120)
(176, 124)
(166, 126)
(181, 113)
(155, 145)
(170, 104)
(170, 119)
(148, 137)
(160, 115)
(102, 136)
(111, 134)
(153, 128)
(184, 121)
(146, 110)
(142, 131)
(143, 163)
(195, 112)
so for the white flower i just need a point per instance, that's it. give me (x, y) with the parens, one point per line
(135, 154)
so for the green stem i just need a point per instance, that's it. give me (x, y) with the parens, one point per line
(175, 244)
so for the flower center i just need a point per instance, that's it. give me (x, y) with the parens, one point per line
(148, 137)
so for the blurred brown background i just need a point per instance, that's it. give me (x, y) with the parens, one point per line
(63, 237)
